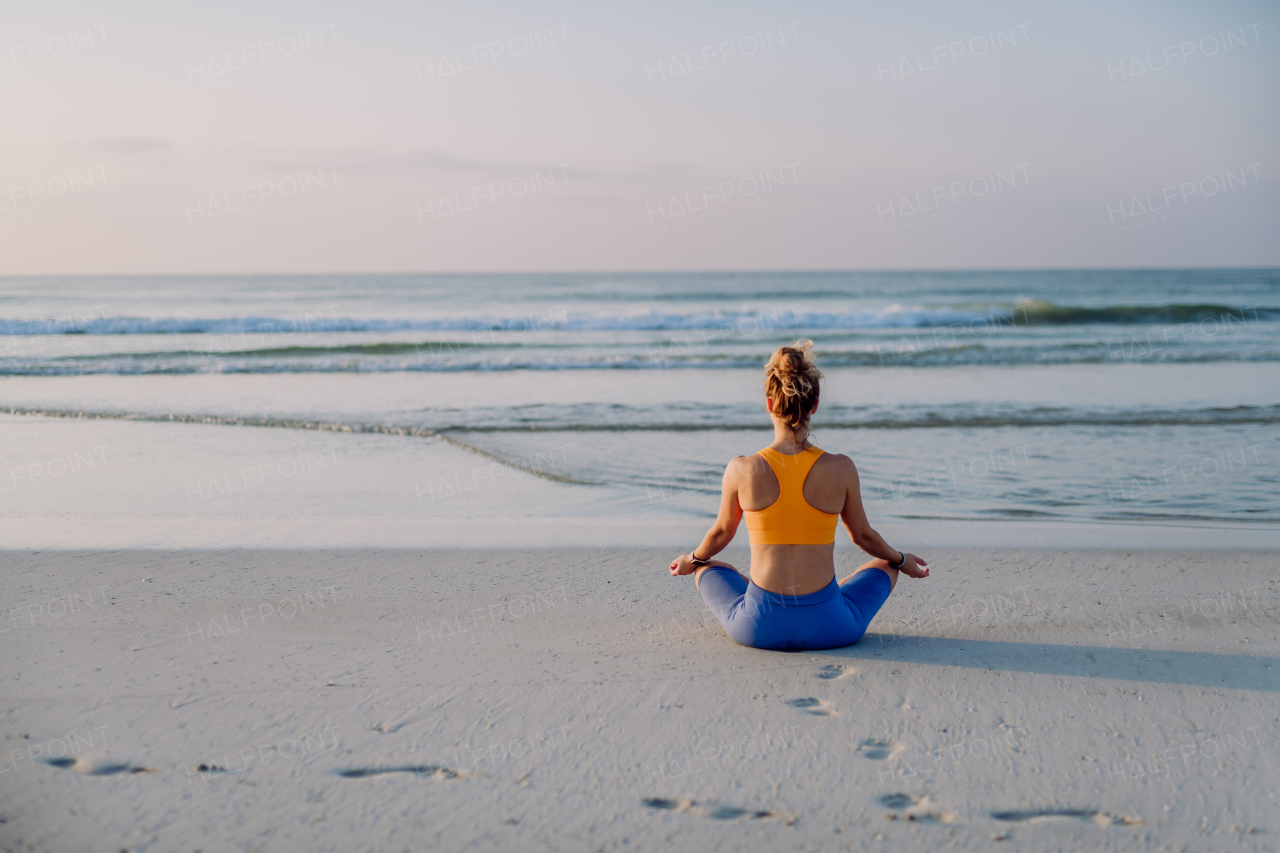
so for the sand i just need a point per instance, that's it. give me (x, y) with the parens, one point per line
(581, 699)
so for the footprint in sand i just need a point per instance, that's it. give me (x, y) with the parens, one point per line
(211, 768)
(898, 802)
(835, 670)
(915, 809)
(810, 705)
(393, 726)
(713, 811)
(97, 766)
(879, 750)
(422, 771)
(1087, 815)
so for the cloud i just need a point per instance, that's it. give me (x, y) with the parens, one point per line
(134, 145)
(425, 160)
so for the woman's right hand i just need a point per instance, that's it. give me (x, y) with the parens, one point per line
(914, 567)
(682, 565)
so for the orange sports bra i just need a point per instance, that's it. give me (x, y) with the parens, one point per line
(790, 520)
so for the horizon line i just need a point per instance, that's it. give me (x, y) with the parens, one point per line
(721, 271)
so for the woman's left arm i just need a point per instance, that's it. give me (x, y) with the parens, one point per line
(725, 526)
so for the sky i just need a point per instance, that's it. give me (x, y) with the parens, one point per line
(146, 137)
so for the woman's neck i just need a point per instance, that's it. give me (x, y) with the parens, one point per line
(786, 439)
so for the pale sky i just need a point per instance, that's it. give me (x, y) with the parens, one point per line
(149, 137)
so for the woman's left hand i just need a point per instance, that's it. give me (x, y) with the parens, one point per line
(682, 565)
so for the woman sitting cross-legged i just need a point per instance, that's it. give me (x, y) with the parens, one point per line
(791, 494)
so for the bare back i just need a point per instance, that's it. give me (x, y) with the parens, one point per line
(831, 486)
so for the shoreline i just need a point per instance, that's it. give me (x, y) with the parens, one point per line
(120, 483)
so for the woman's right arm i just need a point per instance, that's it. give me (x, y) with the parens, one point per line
(725, 526)
(864, 536)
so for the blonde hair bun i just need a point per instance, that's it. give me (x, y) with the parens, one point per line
(791, 381)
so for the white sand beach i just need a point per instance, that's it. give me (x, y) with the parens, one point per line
(581, 699)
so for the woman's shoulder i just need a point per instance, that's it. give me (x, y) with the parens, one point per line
(746, 465)
(835, 461)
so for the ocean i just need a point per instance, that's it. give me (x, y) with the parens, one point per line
(1127, 396)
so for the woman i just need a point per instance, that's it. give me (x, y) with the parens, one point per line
(791, 494)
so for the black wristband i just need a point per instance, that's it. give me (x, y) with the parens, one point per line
(901, 562)
(693, 558)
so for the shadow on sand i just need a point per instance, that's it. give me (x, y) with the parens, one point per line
(1196, 669)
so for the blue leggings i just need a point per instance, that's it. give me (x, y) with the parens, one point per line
(832, 617)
